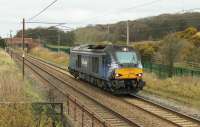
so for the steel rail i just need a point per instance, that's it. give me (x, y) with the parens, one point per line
(47, 62)
(182, 115)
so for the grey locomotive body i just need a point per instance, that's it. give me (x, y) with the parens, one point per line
(114, 68)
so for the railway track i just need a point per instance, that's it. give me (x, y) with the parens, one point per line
(109, 116)
(157, 110)
(174, 117)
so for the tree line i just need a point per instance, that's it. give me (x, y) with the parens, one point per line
(150, 28)
(50, 35)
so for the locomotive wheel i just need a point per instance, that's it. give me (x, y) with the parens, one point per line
(76, 75)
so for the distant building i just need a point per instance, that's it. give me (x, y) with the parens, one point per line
(17, 42)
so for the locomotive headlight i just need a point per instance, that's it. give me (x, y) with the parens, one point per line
(140, 75)
(117, 75)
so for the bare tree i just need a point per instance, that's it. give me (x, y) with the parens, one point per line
(171, 51)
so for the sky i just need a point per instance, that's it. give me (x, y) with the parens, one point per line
(79, 13)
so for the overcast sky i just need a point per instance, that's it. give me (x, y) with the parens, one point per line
(82, 12)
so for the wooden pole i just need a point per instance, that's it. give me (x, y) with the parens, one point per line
(128, 33)
(23, 41)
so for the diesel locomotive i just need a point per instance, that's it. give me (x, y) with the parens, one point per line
(114, 68)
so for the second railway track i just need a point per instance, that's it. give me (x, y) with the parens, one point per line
(111, 116)
(162, 112)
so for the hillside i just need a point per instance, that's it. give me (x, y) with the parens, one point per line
(146, 29)
(150, 28)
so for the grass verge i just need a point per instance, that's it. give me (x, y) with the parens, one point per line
(14, 93)
(57, 58)
(182, 89)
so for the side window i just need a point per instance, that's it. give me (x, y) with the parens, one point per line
(95, 64)
(79, 61)
(108, 60)
(104, 60)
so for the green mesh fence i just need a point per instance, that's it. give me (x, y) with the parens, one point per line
(66, 50)
(164, 71)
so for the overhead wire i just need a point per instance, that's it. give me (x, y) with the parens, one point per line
(43, 10)
(141, 5)
(124, 9)
(52, 23)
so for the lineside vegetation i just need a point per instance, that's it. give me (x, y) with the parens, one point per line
(181, 89)
(57, 58)
(14, 93)
(180, 49)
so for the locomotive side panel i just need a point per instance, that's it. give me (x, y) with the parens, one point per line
(88, 64)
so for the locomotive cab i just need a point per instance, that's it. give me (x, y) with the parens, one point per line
(126, 70)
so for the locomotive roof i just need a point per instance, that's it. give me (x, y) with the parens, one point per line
(98, 48)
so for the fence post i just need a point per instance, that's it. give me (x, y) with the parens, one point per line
(92, 120)
(151, 67)
(11, 55)
(175, 71)
(170, 71)
(62, 115)
(75, 110)
(68, 104)
(192, 72)
(82, 116)
(159, 70)
(23, 64)
(181, 72)
(104, 124)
